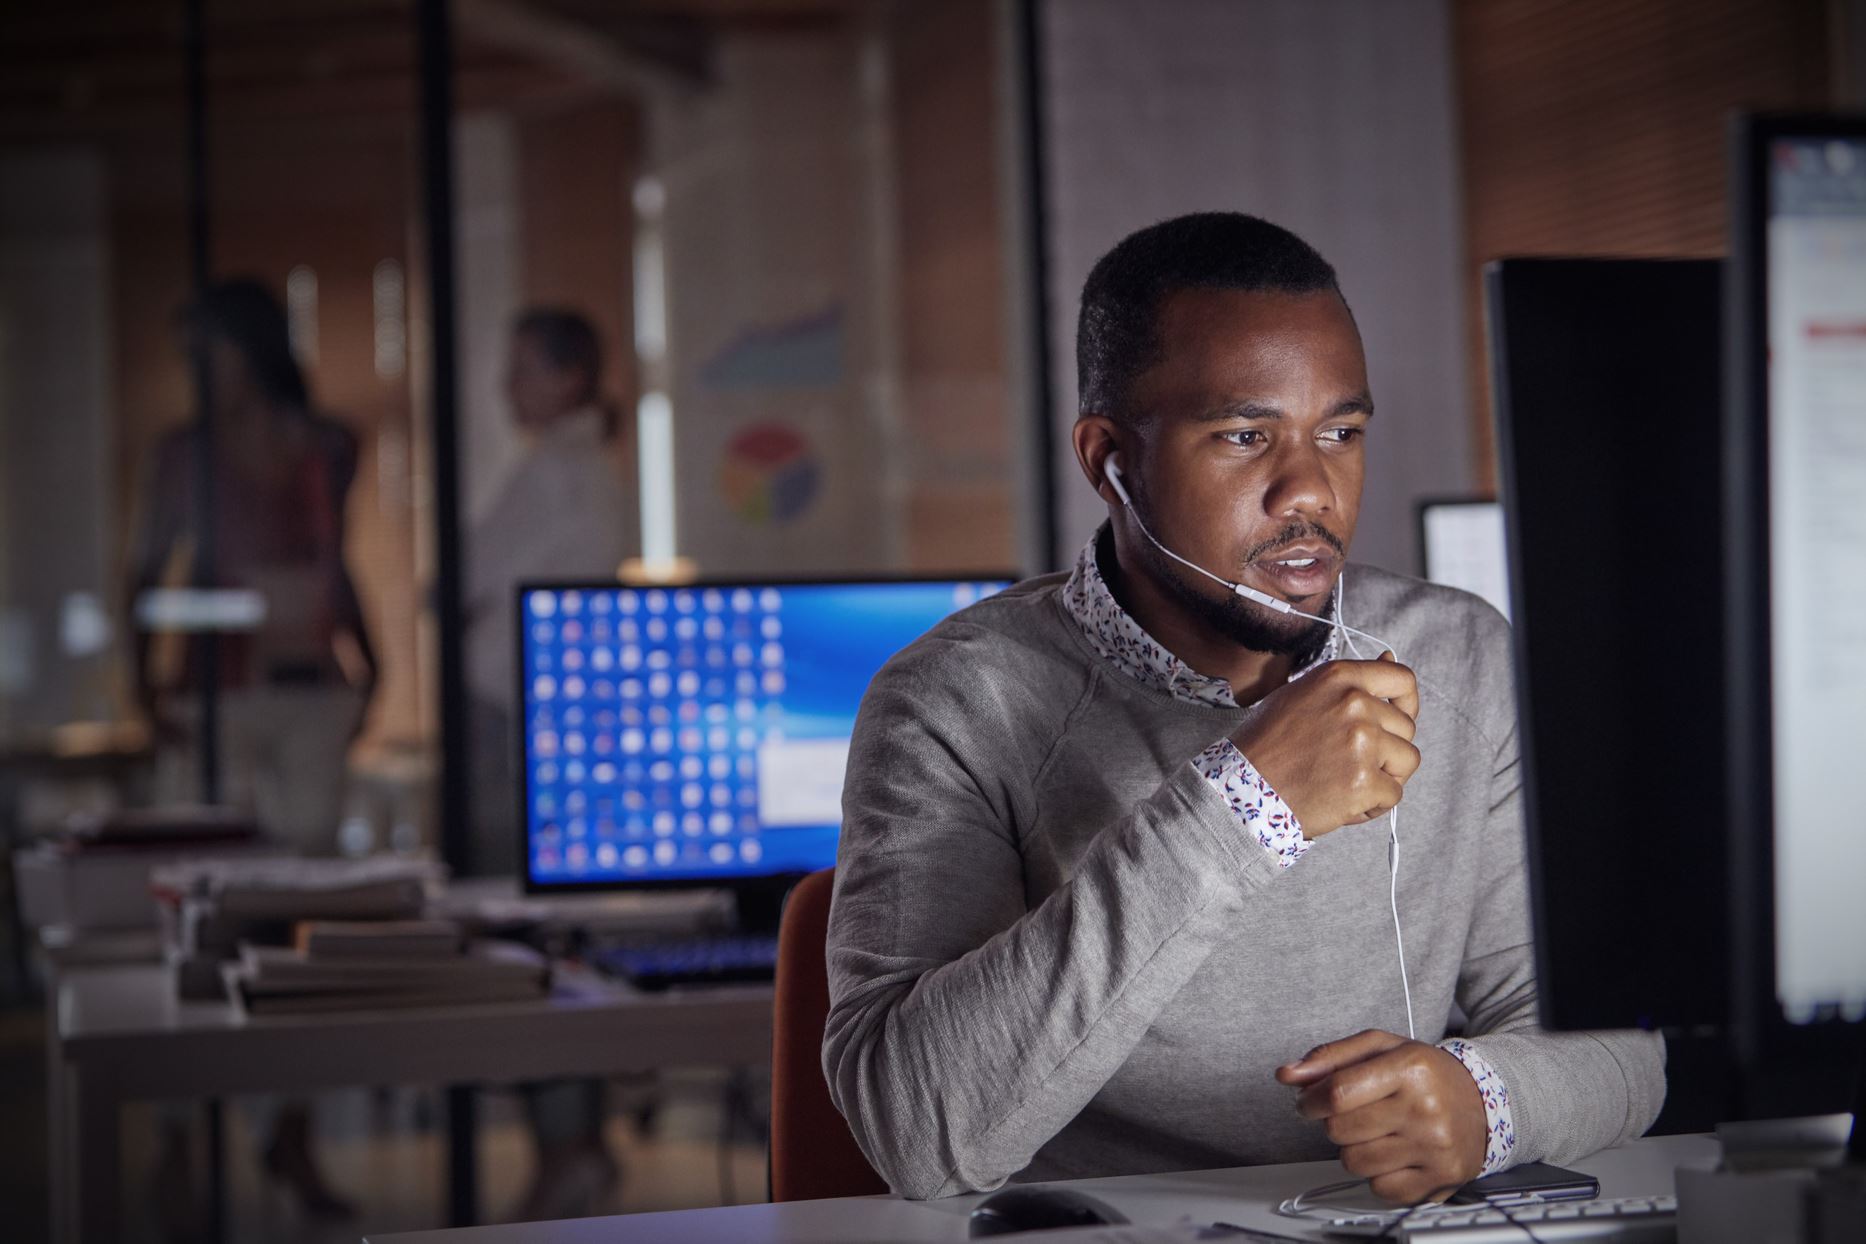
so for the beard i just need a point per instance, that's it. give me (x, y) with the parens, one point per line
(1245, 622)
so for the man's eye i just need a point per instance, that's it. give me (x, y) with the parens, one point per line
(1342, 436)
(1243, 438)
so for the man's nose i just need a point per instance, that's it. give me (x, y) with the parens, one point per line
(1299, 483)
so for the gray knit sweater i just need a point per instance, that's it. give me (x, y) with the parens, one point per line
(1053, 952)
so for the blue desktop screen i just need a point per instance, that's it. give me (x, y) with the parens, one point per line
(700, 733)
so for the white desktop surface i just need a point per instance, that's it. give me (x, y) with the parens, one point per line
(1246, 1196)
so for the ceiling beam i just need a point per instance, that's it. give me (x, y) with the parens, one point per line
(571, 47)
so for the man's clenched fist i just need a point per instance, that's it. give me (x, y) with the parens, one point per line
(1407, 1115)
(1336, 744)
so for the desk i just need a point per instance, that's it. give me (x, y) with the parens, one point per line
(1246, 1196)
(121, 1036)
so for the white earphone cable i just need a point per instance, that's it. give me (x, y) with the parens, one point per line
(1399, 938)
(1283, 606)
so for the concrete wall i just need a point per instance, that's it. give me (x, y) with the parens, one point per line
(56, 508)
(1331, 117)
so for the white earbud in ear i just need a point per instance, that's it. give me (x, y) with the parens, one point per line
(1112, 468)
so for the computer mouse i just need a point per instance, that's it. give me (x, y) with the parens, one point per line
(1039, 1209)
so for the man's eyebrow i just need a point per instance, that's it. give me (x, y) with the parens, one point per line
(1359, 404)
(1246, 409)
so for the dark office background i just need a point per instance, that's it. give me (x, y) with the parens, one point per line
(854, 225)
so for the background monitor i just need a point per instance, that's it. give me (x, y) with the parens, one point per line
(1461, 545)
(1796, 446)
(1607, 387)
(697, 735)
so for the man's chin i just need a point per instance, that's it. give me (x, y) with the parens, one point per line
(1260, 629)
(1246, 623)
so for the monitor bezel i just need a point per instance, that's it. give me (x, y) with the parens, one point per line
(1757, 1023)
(529, 884)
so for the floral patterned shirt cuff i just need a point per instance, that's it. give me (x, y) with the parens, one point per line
(1259, 809)
(1496, 1095)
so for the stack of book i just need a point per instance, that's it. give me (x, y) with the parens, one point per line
(167, 827)
(367, 965)
(93, 874)
(210, 907)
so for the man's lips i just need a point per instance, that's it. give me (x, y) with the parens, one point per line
(1298, 570)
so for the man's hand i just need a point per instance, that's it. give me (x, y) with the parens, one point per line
(1337, 743)
(1407, 1115)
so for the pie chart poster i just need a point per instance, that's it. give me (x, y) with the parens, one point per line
(770, 474)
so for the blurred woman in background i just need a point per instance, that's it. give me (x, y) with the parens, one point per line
(295, 687)
(562, 513)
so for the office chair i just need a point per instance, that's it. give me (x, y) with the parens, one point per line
(813, 1153)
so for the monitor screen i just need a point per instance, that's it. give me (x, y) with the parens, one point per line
(1462, 542)
(699, 734)
(1816, 325)
(1616, 575)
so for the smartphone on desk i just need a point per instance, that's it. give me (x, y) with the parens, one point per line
(1537, 1179)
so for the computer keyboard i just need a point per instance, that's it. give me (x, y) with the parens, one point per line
(1628, 1220)
(690, 961)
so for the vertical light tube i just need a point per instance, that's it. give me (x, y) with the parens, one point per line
(301, 314)
(654, 423)
(654, 413)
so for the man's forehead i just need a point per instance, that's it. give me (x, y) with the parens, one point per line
(1248, 343)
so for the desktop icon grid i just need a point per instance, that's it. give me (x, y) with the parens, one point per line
(699, 733)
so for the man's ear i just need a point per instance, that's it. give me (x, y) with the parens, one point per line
(1095, 437)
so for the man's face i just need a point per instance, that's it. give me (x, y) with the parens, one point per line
(1252, 427)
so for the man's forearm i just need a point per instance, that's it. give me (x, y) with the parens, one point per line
(1576, 1093)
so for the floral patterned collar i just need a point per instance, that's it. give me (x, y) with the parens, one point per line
(1118, 639)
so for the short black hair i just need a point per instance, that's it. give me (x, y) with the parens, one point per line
(245, 314)
(1117, 337)
(568, 339)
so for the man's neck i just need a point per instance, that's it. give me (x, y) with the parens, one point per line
(1252, 674)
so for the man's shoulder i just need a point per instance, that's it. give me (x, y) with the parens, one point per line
(1015, 645)
(1417, 605)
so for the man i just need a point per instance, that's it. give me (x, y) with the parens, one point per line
(1114, 890)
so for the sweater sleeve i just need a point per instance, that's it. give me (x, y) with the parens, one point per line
(1570, 1093)
(966, 1028)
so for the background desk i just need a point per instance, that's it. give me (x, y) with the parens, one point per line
(1247, 1196)
(122, 1036)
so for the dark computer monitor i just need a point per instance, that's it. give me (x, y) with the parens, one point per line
(1607, 392)
(1723, 701)
(697, 735)
(1795, 449)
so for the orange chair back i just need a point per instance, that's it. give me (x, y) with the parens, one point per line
(813, 1153)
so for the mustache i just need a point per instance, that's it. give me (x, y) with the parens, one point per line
(1294, 532)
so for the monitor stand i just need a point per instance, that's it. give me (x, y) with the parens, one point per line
(760, 904)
